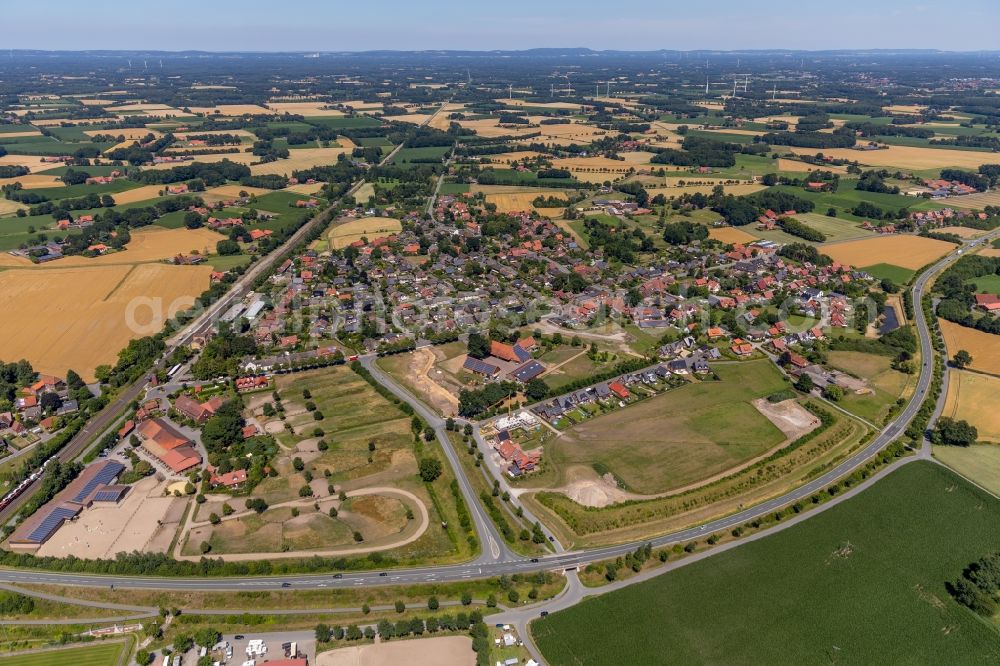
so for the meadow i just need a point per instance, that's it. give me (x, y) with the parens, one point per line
(861, 583)
(99, 654)
(681, 436)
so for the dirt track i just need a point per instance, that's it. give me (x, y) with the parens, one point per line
(408, 497)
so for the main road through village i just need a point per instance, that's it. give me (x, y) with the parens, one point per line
(496, 558)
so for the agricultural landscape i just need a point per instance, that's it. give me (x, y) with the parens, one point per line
(525, 356)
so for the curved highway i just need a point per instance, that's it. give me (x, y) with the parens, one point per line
(499, 560)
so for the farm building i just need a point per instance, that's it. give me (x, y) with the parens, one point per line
(95, 484)
(163, 442)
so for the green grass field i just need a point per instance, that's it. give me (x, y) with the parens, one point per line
(102, 654)
(987, 283)
(897, 274)
(836, 229)
(681, 436)
(861, 583)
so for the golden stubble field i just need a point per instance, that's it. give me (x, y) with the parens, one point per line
(984, 347)
(147, 245)
(911, 252)
(907, 157)
(968, 392)
(730, 235)
(512, 202)
(79, 317)
(344, 234)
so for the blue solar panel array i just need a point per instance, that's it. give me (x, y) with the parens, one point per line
(106, 475)
(108, 495)
(529, 371)
(482, 367)
(521, 353)
(50, 524)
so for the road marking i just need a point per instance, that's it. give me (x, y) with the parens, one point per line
(494, 548)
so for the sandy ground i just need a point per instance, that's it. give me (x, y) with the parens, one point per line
(103, 531)
(591, 490)
(788, 416)
(438, 651)
(421, 364)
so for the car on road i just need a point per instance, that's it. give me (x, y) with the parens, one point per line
(286, 585)
(338, 575)
(383, 574)
(239, 637)
(544, 613)
(534, 560)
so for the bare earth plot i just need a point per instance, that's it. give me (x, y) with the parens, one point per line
(439, 651)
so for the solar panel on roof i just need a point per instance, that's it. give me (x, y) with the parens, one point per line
(50, 524)
(522, 354)
(477, 365)
(104, 476)
(529, 371)
(108, 495)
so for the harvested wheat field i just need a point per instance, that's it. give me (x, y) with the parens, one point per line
(232, 110)
(33, 181)
(12, 135)
(138, 194)
(976, 201)
(239, 158)
(704, 188)
(541, 105)
(785, 164)
(911, 252)
(149, 244)
(990, 252)
(130, 133)
(513, 156)
(307, 109)
(80, 318)
(227, 192)
(413, 118)
(984, 347)
(967, 393)
(305, 188)
(34, 163)
(364, 193)
(344, 234)
(963, 232)
(510, 202)
(437, 651)
(907, 157)
(730, 235)
(8, 207)
(304, 158)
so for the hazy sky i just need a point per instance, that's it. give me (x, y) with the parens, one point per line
(358, 25)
